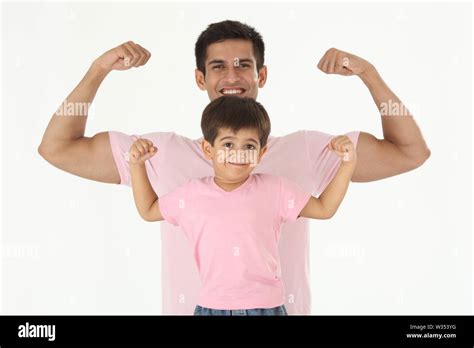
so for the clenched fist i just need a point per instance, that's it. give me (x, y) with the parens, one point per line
(141, 150)
(123, 57)
(344, 148)
(335, 61)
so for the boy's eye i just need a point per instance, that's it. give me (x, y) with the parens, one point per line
(250, 147)
(228, 145)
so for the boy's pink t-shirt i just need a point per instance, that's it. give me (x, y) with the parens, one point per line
(302, 157)
(234, 237)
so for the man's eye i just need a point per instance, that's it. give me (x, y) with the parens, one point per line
(217, 67)
(244, 65)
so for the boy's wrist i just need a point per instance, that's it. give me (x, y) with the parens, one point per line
(348, 164)
(137, 165)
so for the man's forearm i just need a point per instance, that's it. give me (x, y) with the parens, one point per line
(399, 126)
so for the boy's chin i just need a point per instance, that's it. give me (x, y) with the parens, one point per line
(236, 177)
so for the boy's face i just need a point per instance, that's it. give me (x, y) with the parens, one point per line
(231, 68)
(234, 155)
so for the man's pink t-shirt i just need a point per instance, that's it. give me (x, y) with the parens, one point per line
(234, 236)
(302, 157)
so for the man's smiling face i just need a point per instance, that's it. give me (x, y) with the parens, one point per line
(226, 75)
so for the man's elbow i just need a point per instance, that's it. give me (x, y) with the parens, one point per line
(421, 158)
(47, 152)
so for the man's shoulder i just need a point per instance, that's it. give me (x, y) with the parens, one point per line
(289, 136)
(301, 134)
(168, 136)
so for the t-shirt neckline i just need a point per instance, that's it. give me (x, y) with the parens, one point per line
(220, 189)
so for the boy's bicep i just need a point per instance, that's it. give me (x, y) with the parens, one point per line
(170, 206)
(155, 212)
(314, 209)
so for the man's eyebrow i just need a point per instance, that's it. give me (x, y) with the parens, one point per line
(246, 60)
(248, 139)
(222, 61)
(216, 61)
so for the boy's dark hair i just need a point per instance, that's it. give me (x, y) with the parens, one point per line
(217, 32)
(235, 113)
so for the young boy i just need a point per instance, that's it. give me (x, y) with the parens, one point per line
(233, 219)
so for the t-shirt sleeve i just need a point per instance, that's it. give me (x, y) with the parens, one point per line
(120, 144)
(323, 162)
(292, 200)
(173, 204)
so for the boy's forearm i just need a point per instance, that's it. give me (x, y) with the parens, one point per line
(334, 193)
(143, 193)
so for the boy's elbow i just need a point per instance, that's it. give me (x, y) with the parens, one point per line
(146, 217)
(328, 215)
(150, 217)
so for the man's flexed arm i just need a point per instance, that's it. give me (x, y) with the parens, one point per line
(64, 144)
(403, 147)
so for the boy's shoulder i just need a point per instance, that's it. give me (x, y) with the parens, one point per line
(196, 181)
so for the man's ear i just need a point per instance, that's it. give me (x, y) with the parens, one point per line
(262, 76)
(206, 149)
(200, 79)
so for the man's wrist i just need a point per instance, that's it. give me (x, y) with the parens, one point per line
(369, 74)
(99, 70)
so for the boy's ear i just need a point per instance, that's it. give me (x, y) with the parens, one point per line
(206, 149)
(200, 79)
(263, 151)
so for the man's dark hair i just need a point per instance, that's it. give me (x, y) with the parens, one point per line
(217, 32)
(235, 113)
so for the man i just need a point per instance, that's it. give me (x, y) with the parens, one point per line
(230, 60)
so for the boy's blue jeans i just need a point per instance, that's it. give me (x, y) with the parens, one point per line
(280, 310)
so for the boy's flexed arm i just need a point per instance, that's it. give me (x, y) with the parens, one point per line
(328, 202)
(145, 197)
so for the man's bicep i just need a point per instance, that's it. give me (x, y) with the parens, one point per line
(90, 158)
(378, 159)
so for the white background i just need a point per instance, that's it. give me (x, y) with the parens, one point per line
(397, 246)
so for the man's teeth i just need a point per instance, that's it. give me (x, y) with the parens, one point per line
(232, 91)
